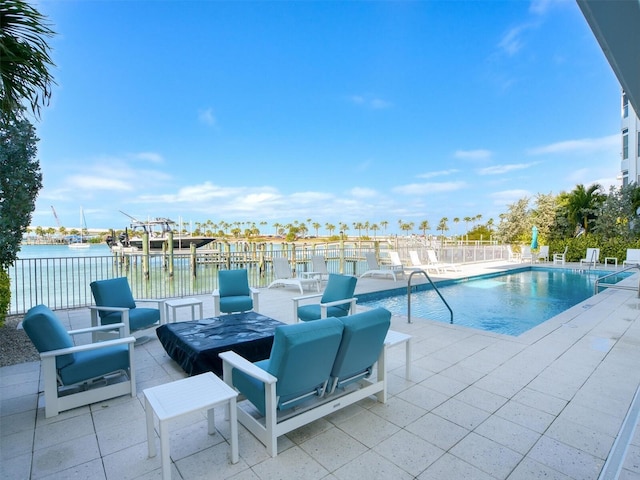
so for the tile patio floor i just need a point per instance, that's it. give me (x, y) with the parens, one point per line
(547, 404)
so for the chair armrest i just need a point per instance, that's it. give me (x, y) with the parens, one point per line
(339, 302)
(255, 291)
(111, 326)
(236, 361)
(306, 297)
(108, 309)
(215, 293)
(88, 346)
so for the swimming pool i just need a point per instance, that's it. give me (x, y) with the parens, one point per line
(510, 303)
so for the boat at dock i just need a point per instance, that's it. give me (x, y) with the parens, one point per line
(159, 231)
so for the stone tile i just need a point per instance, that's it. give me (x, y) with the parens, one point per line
(480, 398)
(461, 413)
(438, 431)
(529, 469)
(112, 412)
(294, 463)
(592, 419)
(16, 444)
(583, 438)
(333, 448)
(203, 464)
(67, 429)
(16, 467)
(369, 428)
(18, 404)
(565, 459)
(18, 422)
(92, 470)
(372, 467)
(541, 401)
(121, 436)
(132, 462)
(423, 397)
(308, 431)
(64, 455)
(529, 417)
(398, 411)
(509, 434)
(443, 384)
(409, 452)
(450, 467)
(487, 455)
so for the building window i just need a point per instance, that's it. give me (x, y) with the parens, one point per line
(625, 105)
(625, 178)
(625, 144)
(638, 149)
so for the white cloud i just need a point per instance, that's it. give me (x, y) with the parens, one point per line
(479, 154)
(369, 101)
(507, 197)
(207, 117)
(511, 42)
(360, 192)
(148, 156)
(585, 145)
(439, 173)
(88, 182)
(428, 188)
(500, 169)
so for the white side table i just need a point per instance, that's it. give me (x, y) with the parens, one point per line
(188, 395)
(175, 303)
(394, 338)
(614, 259)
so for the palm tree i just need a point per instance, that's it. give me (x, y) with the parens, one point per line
(330, 228)
(424, 226)
(24, 58)
(456, 220)
(384, 224)
(466, 221)
(442, 226)
(582, 203)
(375, 229)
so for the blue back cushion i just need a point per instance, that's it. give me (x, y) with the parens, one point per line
(362, 341)
(47, 333)
(339, 287)
(114, 292)
(233, 283)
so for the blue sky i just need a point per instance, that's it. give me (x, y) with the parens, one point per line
(334, 111)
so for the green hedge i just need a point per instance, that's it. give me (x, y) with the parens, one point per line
(5, 295)
(612, 247)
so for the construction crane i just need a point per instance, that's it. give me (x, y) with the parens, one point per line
(56, 217)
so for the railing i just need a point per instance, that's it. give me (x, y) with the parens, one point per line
(432, 285)
(63, 282)
(616, 286)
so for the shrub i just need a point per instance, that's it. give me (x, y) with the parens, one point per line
(5, 295)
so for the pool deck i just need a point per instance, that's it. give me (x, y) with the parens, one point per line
(547, 404)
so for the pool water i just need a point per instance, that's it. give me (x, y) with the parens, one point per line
(510, 303)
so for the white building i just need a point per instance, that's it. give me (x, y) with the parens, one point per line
(630, 165)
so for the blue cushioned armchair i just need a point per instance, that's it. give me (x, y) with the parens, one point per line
(234, 293)
(83, 374)
(317, 367)
(115, 304)
(337, 300)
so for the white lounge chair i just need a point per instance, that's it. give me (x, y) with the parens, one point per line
(526, 255)
(592, 257)
(433, 260)
(318, 269)
(284, 276)
(543, 253)
(633, 257)
(417, 264)
(559, 258)
(375, 269)
(513, 256)
(396, 263)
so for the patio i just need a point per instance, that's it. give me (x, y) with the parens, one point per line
(547, 404)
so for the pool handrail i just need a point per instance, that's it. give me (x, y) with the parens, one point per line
(619, 287)
(434, 287)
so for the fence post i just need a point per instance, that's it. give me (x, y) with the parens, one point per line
(145, 254)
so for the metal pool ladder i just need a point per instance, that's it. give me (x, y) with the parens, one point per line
(619, 287)
(434, 287)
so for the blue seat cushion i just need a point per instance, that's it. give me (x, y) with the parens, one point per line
(139, 318)
(114, 292)
(362, 341)
(95, 363)
(307, 313)
(47, 333)
(301, 359)
(236, 303)
(339, 287)
(233, 283)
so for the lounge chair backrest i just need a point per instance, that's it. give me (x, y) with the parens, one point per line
(362, 341)
(395, 259)
(372, 262)
(233, 283)
(339, 287)
(301, 359)
(319, 265)
(593, 254)
(633, 255)
(415, 259)
(281, 268)
(114, 292)
(47, 333)
(432, 257)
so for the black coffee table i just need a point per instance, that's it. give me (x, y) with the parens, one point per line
(195, 345)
